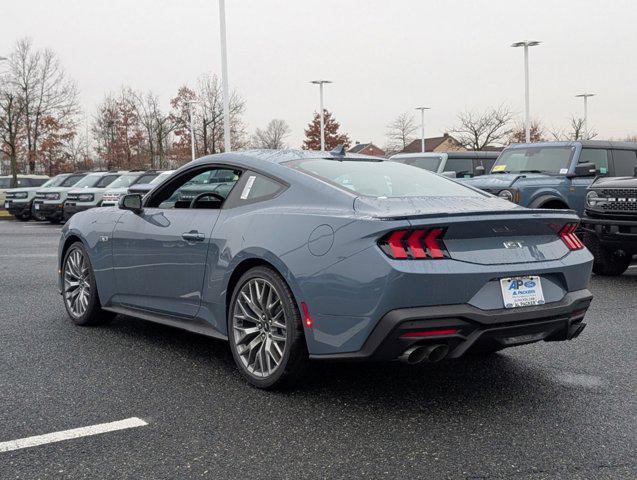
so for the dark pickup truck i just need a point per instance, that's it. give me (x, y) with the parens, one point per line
(610, 223)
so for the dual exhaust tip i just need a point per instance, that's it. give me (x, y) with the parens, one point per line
(424, 353)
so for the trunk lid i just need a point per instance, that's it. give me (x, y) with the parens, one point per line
(484, 231)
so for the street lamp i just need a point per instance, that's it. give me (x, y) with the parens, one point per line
(585, 97)
(224, 76)
(422, 127)
(190, 103)
(527, 120)
(320, 84)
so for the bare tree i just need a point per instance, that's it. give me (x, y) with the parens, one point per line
(272, 136)
(209, 115)
(11, 117)
(476, 131)
(577, 131)
(400, 132)
(518, 133)
(158, 127)
(45, 91)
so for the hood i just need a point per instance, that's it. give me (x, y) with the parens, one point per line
(500, 180)
(119, 190)
(23, 189)
(86, 190)
(615, 182)
(405, 207)
(54, 189)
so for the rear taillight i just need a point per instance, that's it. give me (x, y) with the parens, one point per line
(568, 236)
(414, 244)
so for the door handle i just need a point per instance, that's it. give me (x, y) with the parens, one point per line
(193, 236)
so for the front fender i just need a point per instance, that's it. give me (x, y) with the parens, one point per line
(543, 196)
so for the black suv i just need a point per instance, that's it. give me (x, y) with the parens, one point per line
(610, 223)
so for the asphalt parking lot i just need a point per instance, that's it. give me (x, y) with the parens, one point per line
(560, 410)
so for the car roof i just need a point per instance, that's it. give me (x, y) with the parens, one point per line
(455, 154)
(287, 155)
(583, 143)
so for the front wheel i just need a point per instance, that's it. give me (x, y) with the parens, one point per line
(265, 330)
(80, 290)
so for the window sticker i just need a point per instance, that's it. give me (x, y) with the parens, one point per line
(563, 171)
(248, 187)
(499, 168)
(603, 170)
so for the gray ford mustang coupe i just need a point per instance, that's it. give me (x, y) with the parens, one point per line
(297, 255)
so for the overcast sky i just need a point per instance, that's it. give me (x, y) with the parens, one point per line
(384, 57)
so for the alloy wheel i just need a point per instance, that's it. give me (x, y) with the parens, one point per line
(259, 327)
(77, 288)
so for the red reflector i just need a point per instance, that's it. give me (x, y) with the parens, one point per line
(568, 236)
(415, 245)
(306, 316)
(396, 245)
(430, 333)
(431, 241)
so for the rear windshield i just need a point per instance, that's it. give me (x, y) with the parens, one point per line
(534, 160)
(382, 179)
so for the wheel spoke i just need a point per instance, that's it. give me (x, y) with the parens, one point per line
(77, 289)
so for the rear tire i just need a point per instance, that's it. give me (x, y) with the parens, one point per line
(606, 262)
(265, 331)
(79, 292)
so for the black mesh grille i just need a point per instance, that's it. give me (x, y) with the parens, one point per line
(624, 199)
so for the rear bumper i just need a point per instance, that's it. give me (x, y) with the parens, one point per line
(621, 233)
(475, 328)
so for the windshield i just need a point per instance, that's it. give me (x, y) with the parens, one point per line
(534, 160)
(124, 181)
(382, 179)
(160, 177)
(72, 180)
(426, 163)
(54, 182)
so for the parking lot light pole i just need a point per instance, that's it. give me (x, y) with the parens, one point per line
(320, 84)
(422, 127)
(224, 76)
(527, 118)
(192, 127)
(585, 97)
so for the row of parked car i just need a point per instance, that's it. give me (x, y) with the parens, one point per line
(60, 197)
(596, 179)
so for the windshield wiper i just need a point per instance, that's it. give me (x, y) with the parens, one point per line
(531, 171)
(500, 171)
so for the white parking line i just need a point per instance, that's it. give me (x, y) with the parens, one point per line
(69, 434)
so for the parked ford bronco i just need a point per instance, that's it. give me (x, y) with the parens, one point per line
(610, 223)
(555, 174)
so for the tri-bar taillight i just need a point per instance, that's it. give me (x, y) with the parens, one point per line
(419, 244)
(568, 236)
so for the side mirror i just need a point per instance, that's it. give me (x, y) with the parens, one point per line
(132, 202)
(585, 170)
(449, 174)
(479, 170)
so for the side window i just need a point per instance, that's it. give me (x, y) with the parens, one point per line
(596, 156)
(258, 187)
(146, 178)
(253, 188)
(624, 162)
(462, 166)
(200, 188)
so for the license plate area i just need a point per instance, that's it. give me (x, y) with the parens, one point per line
(522, 291)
